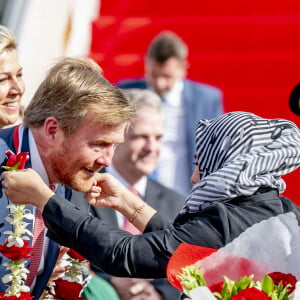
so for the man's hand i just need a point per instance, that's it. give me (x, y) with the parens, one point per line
(58, 268)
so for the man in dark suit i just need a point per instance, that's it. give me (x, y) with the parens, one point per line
(184, 102)
(70, 129)
(133, 161)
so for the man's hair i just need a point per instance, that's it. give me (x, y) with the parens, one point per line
(7, 39)
(140, 98)
(166, 45)
(74, 88)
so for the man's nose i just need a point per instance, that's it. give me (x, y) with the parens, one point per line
(152, 144)
(160, 83)
(105, 158)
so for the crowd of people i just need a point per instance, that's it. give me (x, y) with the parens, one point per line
(110, 168)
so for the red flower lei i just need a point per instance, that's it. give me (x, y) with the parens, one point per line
(16, 246)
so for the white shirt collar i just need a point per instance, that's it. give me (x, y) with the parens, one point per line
(173, 96)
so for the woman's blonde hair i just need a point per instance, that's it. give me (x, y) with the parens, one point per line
(7, 39)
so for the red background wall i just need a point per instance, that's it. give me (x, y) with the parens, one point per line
(251, 50)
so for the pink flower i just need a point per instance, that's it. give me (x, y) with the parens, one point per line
(16, 253)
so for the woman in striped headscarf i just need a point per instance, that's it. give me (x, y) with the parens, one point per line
(241, 154)
(240, 158)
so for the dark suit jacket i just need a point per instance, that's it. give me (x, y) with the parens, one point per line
(6, 143)
(201, 101)
(164, 200)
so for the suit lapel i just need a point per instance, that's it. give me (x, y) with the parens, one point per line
(153, 195)
(108, 215)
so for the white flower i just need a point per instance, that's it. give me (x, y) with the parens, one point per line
(18, 271)
(201, 293)
(15, 241)
(297, 291)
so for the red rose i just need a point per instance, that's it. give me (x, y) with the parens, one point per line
(285, 279)
(16, 253)
(74, 254)
(66, 290)
(217, 287)
(23, 296)
(250, 294)
(17, 161)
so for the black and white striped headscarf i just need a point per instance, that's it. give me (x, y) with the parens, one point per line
(240, 152)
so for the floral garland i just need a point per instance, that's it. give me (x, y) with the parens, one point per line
(16, 246)
(71, 283)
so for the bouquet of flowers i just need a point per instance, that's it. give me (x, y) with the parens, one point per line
(245, 268)
(275, 286)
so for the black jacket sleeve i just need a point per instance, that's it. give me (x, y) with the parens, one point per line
(146, 256)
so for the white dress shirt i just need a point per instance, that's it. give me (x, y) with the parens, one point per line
(171, 170)
(37, 165)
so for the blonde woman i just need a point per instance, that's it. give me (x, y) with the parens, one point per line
(11, 82)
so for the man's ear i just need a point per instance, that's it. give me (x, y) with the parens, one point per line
(51, 127)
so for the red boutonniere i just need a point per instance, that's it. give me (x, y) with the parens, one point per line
(16, 162)
(16, 246)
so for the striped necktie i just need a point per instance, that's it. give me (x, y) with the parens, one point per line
(37, 244)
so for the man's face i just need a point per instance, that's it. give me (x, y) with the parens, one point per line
(162, 77)
(138, 155)
(76, 158)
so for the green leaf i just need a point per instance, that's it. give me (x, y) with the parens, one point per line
(267, 285)
(191, 278)
(14, 168)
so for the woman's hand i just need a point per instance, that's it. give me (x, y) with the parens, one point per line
(107, 191)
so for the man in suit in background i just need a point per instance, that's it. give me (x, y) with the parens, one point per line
(184, 103)
(133, 161)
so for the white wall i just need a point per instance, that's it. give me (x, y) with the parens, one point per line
(43, 36)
